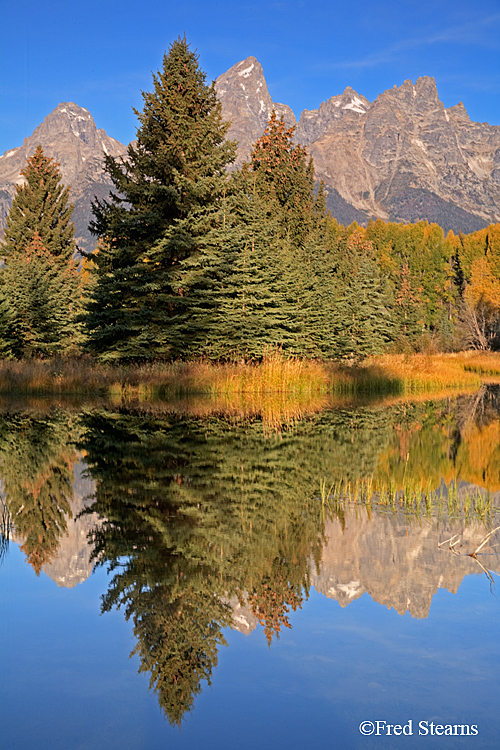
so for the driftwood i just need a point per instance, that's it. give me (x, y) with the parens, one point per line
(454, 541)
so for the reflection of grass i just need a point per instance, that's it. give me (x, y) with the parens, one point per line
(5, 523)
(277, 373)
(413, 498)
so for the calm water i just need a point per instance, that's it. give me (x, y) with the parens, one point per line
(173, 577)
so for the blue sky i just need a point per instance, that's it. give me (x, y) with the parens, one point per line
(100, 53)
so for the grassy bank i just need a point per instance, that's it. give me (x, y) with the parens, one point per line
(276, 374)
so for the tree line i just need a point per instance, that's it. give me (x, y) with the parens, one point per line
(197, 259)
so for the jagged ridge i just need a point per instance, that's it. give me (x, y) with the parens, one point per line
(403, 157)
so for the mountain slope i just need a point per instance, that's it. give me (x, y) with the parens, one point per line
(247, 104)
(69, 135)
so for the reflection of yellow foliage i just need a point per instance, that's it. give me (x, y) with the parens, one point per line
(479, 456)
(422, 458)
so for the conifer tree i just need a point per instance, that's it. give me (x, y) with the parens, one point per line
(243, 290)
(364, 299)
(41, 205)
(39, 283)
(238, 289)
(39, 299)
(284, 174)
(165, 189)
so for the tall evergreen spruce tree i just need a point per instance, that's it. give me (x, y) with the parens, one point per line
(243, 290)
(41, 206)
(238, 286)
(166, 189)
(284, 174)
(260, 278)
(39, 283)
(321, 304)
(39, 296)
(364, 300)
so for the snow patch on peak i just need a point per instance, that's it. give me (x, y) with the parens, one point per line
(74, 112)
(356, 100)
(350, 589)
(247, 71)
(356, 105)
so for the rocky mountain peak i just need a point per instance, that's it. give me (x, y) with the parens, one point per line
(247, 104)
(68, 117)
(404, 157)
(314, 123)
(414, 98)
(351, 100)
(459, 114)
(70, 136)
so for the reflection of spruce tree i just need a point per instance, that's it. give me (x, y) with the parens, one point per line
(194, 513)
(36, 458)
(197, 511)
(167, 584)
(274, 596)
(178, 631)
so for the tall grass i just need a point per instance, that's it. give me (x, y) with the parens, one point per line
(276, 373)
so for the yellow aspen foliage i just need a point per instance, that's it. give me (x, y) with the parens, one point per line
(484, 285)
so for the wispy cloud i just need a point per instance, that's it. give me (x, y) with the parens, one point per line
(464, 33)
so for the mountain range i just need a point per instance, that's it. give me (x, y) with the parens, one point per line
(404, 157)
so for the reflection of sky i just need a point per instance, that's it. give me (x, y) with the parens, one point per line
(68, 682)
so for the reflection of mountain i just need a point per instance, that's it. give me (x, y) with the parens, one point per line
(243, 619)
(71, 564)
(396, 560)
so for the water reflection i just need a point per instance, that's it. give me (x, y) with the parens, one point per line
(208, 522)
(36, 460)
